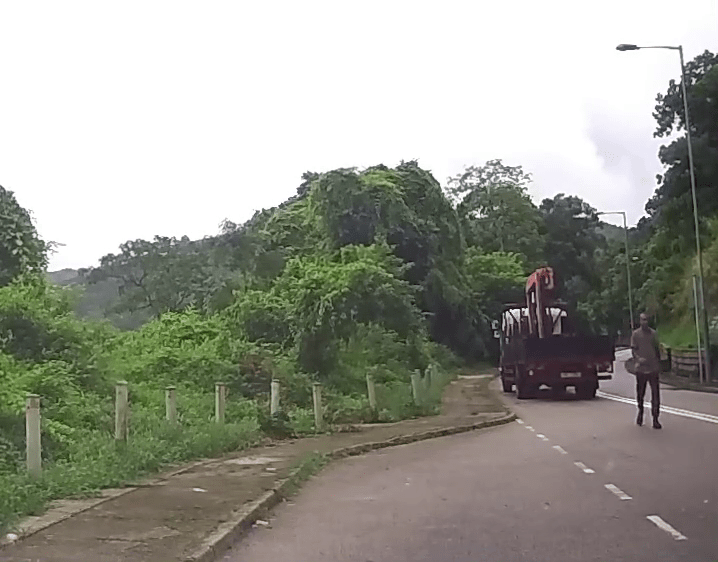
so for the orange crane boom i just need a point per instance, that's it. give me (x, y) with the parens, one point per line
(540, 288)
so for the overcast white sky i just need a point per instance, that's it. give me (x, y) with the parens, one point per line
(128, 119)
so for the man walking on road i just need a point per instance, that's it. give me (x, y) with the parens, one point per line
(646, 354)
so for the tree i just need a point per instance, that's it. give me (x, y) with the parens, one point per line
(406, 208)
(496, 210)
(606, 305)
(495, 279)
(21, 248)
(573, 239)
(164, 275)
(672, 203)
(669, 111)
(320, 301)
(250, 251)
(308, 178)
(494, 273)
(261, 247)
(668, 234)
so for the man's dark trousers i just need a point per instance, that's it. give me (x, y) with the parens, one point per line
(642, 379)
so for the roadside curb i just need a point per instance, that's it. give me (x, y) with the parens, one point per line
(680, 385)
(221, 538)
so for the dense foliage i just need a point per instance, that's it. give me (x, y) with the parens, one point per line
(21, 249)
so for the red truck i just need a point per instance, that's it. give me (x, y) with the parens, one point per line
(540, 347)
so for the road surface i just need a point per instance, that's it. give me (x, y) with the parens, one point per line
(573, 481)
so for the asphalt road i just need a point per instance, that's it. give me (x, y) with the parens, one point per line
(516, 493)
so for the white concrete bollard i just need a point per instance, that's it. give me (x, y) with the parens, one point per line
(274, 397)
(32, 435)
(171, 404)
(318, 412)
(121, 411)
(371, 391)
(416, 386)
(220, 397)
(430, 375)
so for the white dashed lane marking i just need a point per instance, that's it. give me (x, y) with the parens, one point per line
(620, 493)
(661, 524)
(655, 519)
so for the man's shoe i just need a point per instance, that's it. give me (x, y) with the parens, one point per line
(656, 424)
(639, 419)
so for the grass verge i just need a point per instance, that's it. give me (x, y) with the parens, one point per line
(94, 461)
(97, 462)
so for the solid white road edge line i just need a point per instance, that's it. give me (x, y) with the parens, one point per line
(620, 493)
(661, 524)
(560, 449)
(584, 468)
(664, 409)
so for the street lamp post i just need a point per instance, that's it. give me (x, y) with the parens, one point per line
(679, 48)
(628, 263)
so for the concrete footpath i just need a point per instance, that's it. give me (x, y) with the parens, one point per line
(194, 513)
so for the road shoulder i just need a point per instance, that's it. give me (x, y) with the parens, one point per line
(676, 382)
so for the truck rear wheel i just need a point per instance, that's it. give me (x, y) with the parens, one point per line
(587, 391)
(507, 385)
(558, 390)
(522, 388)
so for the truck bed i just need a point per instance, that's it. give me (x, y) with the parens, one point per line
(562, 349)
(569, 348)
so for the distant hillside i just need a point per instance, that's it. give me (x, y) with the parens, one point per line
(96, 301)
(65, 277)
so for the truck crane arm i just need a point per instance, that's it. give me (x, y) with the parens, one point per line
(540, 288)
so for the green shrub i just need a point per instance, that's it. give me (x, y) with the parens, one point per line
(371, 350)
(343, 409)
(277, 425)
(301, 421)
(10, 455)
(394, 401)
